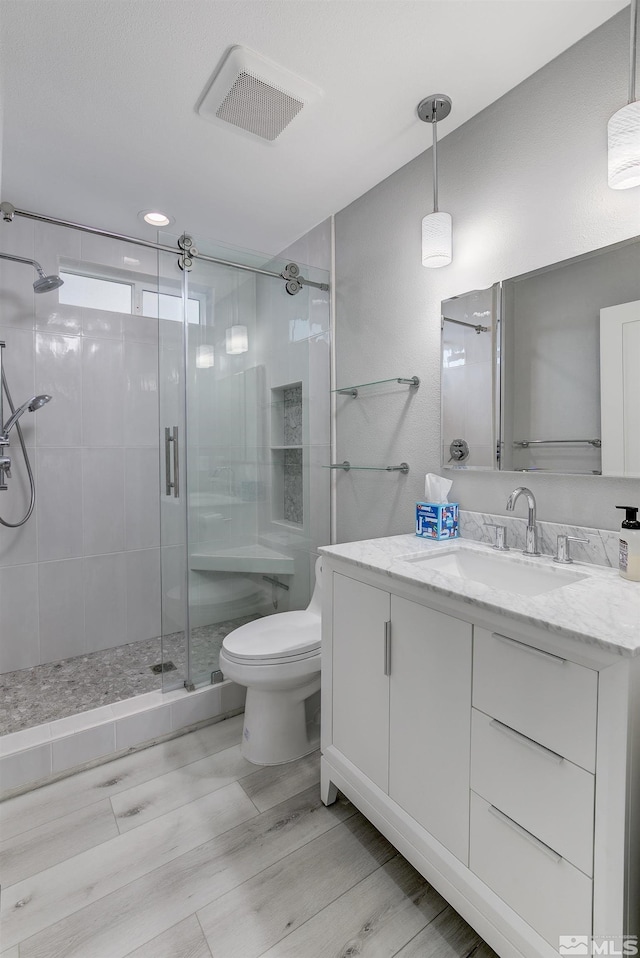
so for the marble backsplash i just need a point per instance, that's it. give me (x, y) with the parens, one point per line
(601, 548)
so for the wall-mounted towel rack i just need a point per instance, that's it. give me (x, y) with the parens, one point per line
(458, 322)
(353, 390)
(543, 442)
(346, 465)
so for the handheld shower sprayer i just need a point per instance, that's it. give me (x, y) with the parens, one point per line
(36, 402)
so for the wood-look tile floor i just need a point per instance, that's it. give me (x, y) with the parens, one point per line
(185, 850)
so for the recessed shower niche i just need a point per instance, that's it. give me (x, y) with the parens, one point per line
(286, 454)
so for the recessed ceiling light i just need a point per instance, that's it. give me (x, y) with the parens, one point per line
(155, 218)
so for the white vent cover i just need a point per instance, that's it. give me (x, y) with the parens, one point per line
(254, 95)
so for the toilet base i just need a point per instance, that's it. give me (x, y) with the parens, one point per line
(276, 729)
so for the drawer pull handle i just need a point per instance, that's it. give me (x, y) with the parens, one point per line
(545, 849)
(524, 740)
(528, 648)
(387, 648)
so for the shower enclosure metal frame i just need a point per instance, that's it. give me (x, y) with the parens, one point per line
(185, 252)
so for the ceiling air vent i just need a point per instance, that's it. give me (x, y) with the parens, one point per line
(254, 95)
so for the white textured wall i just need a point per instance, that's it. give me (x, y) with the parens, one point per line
(526, 183)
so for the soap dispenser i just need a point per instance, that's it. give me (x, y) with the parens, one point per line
(630, 544)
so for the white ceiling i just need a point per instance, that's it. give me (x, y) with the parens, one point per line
(99, 101)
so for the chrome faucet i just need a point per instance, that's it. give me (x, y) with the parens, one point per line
(531, 535)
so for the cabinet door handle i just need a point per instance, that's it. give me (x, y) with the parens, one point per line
(528, 648)
(524, 740)
(545, 849)
(387, 648)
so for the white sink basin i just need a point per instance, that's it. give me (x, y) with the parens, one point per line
(508, 573)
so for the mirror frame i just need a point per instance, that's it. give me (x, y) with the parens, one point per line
(499, 323)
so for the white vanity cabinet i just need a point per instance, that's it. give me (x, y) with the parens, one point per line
(401, 704)
(501, 760)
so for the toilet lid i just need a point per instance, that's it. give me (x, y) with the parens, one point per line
(286, 635)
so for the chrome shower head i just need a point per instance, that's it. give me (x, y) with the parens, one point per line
(47, 283)
(42, 285)
(36, 402)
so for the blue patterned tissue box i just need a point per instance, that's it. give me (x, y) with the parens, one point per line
(437, 520)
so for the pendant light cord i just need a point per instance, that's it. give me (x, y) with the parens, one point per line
(632, 51)
(434, 124)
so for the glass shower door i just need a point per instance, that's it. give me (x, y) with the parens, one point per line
(244, 434)
(257, 407)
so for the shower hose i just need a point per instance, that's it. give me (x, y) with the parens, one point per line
(32, 502)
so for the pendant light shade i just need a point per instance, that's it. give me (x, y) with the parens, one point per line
(204, 356)
(436, 226)
(436, 239)
(236, 340)
(624, 147)
(624, 126)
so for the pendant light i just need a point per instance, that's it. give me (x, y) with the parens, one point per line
(624, 126)
(236, 340)
(436, 226)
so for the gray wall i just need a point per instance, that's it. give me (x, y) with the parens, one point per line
(526, 183)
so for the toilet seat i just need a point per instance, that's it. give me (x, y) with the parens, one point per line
(291, 636)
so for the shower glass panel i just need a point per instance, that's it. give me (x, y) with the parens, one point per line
(256, 434)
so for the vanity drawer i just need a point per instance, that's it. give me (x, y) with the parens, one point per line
(544, 792)
(548, 892)
(547, 698)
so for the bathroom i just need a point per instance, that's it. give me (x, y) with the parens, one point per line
(524, 177)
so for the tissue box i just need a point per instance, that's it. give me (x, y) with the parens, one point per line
(437, 520)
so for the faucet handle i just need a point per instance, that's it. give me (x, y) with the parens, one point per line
(563, 550)
(501, 539)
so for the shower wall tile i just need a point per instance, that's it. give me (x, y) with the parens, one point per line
(174, 598)
(20, 545)
(52, 316)
(19, 370)
(105, 598)
(61, 601)
(18, 237)
(141, 394)
(141, 329)
(58, 372)
(19, 609)
(102, 392)
(55, 244)
(121, 256)
(59, 484)
(17, 301)
(102, 501)
(143, 595)
(142, 498)
(102, 324)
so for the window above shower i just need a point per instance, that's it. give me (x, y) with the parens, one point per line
(128, 296)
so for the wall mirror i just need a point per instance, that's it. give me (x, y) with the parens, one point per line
(541, 372)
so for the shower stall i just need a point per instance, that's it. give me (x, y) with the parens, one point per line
(178, 469)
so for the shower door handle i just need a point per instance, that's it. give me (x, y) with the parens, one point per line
(171, 485)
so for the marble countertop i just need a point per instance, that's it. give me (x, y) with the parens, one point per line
(601, 609)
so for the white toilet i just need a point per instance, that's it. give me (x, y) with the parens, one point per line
(277, 658)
